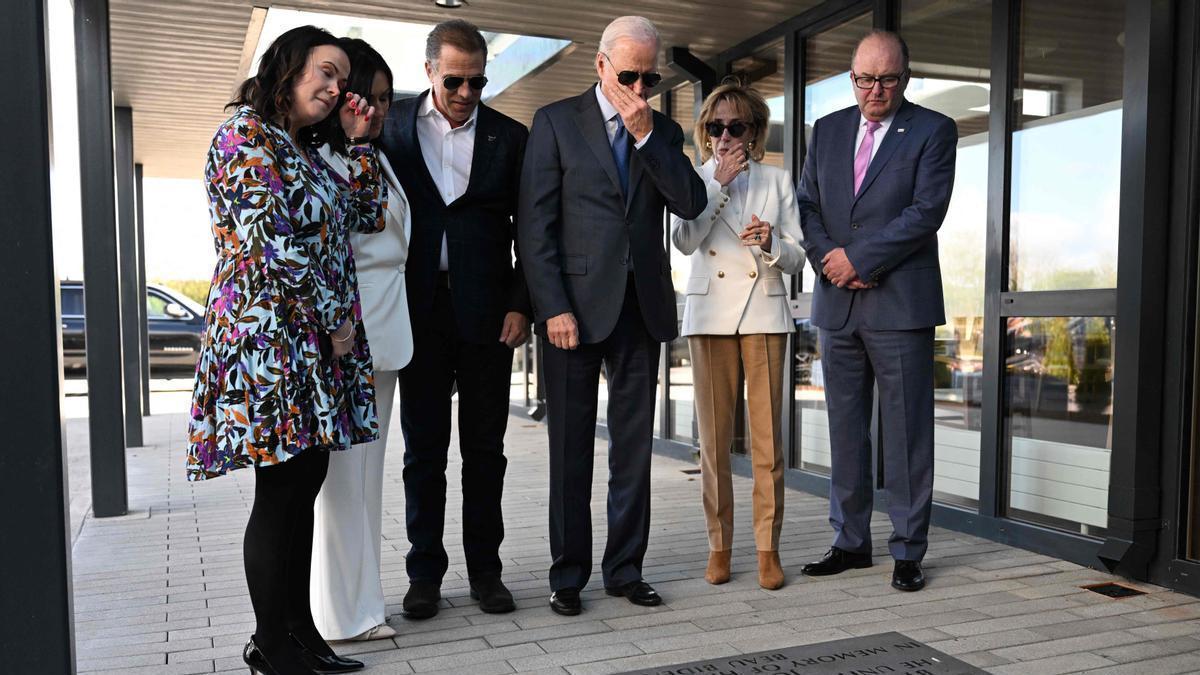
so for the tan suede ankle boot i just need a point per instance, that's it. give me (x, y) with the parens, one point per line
(770, 572)
(718, 567)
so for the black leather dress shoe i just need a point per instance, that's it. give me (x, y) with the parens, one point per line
(326, 664)
(908, 576)
(421, 600)
(638, 592)
(836, 561)
(565, 601)
(493, 596)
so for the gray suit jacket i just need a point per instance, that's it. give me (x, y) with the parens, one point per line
(889, 229)
(577, 230)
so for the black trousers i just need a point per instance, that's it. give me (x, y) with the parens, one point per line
(482, 373)
(629, 356)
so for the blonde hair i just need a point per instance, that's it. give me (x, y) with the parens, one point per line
(750, 106)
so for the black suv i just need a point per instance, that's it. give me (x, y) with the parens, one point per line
(175, 325)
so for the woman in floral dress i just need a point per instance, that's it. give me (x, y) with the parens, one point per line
(284, 374)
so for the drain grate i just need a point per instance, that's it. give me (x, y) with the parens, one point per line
(690, 472)
(1113, 590)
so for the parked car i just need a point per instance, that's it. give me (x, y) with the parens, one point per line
(175, 325)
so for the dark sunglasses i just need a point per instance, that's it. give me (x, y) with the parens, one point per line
(628, 77)
(715, 129)
(453, 82)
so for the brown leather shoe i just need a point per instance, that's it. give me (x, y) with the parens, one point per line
(770, 572)
(718, 567)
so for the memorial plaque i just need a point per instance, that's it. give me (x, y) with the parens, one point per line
(882, 654)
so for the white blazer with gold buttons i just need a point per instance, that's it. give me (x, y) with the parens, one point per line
(734, 288)
(379, 261)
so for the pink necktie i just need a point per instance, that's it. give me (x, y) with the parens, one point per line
(863, 159)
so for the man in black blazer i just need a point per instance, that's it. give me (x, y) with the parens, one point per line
(599, 170)
(459, 164)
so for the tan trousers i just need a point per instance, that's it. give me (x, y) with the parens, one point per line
(715, 360)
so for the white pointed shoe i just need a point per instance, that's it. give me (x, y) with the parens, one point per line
(380, 632)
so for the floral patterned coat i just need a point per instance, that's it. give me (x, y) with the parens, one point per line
(284, 279)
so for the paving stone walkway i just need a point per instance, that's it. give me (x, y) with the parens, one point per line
(161, 590)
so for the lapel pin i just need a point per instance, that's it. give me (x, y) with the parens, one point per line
(899, 131)
(491, 138)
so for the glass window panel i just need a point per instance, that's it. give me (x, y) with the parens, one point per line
(156, 306)
(72, 301)
(518, 379)
(765, 70)
(679, 360)
(827, 89)
(950, 48)
(1058, 388)
(1066, 146)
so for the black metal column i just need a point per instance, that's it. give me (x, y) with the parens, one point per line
(127, 255)
(101, 265)
(993, 467)
(35, 602)
(143, 330)
(1146, 149)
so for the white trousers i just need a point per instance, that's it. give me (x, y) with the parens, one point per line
(346, 592)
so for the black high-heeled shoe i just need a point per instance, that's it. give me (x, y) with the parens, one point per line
(326, 664)
(258, 664)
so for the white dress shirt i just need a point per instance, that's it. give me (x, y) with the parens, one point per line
(447, 152)
(879, 134)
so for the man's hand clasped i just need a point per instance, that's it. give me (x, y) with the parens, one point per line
(840, 272)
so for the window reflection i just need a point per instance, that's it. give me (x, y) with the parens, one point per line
(1058, 416)
(1067, 146)
(950, 46)
(827, 89)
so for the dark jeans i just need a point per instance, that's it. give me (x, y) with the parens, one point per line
(442, 359)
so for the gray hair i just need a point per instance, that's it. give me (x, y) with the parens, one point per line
(636, 28)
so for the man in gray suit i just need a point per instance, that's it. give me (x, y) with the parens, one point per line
(875, 189)
(599, 170)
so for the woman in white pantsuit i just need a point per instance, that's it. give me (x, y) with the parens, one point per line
(347, 595)
(737, 317)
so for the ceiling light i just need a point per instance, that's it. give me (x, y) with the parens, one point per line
(450, 4)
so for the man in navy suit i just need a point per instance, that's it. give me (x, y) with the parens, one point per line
(459, 163)
(599, 170)
(875, 189)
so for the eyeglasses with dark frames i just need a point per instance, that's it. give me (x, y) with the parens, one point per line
(886, 81)
(453, 82)
(735, 129)
(628, 77)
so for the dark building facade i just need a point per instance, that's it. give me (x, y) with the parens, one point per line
(1075, 209)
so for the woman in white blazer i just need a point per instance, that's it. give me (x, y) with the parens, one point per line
(346, 592)
(737, 314)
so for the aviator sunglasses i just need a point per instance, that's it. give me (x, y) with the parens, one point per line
(628, 77)
(736, 129)
(453, 82)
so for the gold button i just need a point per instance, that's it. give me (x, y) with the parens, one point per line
(711, 252)
(753, 274)
(721, 274)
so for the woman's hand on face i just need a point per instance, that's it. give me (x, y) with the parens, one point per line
(729, 166)
(356, 116)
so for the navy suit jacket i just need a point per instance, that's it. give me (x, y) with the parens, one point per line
(889, 229)
(577, 230)
(479, 226)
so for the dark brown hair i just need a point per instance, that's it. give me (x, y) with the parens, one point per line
(457, 33)
(364, 63)
(269, 92)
